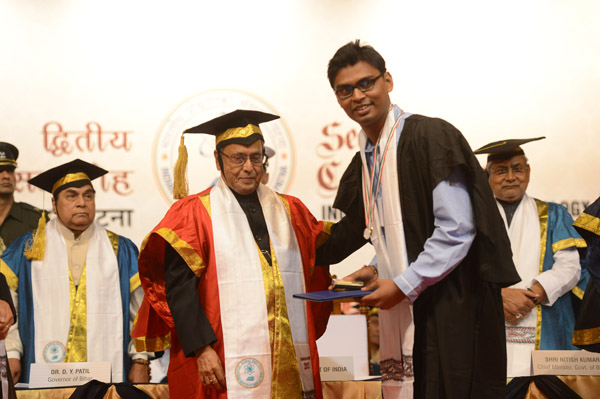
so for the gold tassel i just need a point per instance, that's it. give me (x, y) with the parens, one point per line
(35, 250)
(180, 184)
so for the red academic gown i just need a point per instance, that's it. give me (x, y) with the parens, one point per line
(187, 227)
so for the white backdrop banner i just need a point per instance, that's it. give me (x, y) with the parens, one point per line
(115, 83)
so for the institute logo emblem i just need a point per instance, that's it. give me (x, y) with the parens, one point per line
(202, 171)
(249, 373)
(54, 352)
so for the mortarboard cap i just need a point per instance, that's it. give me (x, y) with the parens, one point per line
(504, 149)
(237, 127)
(8, 154)
(76, 173)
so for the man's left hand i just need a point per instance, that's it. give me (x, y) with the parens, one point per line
(517, 303)
(210, 368)
(139, 373)
(386, 295)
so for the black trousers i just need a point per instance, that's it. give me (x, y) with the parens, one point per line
(460, 342)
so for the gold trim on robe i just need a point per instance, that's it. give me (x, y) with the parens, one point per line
(205, 199)
(77, 342)
(578, 292)
(286, 382)
(134, 282)
(189, 255)
(542, 208)
(588, 222)
(568, 243)
(324, 236)
(114, 241)
(588, 336)
(11, 278)
(143, 344)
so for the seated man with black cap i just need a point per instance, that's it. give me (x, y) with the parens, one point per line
(75, 284)
(16, 218)
(219, 272)
(545, 252)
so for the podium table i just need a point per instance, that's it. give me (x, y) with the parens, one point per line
(588, 387)
(331, 390)
(153, 390)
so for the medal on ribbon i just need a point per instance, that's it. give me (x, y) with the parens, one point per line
(374, 180)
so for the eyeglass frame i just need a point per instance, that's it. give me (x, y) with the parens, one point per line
(370, 81)
(263, 158)
(516, 170)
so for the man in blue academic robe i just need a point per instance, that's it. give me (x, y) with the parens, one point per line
(545, 250)
(75, 284)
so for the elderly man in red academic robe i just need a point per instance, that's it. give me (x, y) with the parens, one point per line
(219, 272)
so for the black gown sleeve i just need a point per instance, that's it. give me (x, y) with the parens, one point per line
(5, 295)
(191, 323)
(347, 234)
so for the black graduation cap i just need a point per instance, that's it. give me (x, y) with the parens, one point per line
(76, 173)
(239, 126)
(504, 149)
(8, 154)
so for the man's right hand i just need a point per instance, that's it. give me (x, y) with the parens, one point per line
(210, 368)
(15, 369)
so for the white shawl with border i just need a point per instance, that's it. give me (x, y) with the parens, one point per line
(51, 300)
(396, 324)
(244, 313)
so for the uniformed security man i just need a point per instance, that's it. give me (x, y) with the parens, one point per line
(16, 218)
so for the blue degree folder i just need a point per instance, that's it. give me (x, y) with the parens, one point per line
(326, 296)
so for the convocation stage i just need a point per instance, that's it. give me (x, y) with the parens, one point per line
(587, 387)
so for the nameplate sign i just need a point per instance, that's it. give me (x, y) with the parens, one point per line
(340, 368)
(565, 363)
(52, 375)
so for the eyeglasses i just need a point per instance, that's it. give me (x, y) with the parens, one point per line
(240, 159)
(345, 91)
(502, 171)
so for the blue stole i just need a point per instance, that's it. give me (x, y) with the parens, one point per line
(558, 320)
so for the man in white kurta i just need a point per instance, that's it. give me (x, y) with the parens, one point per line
(74, 284)
(538, 310)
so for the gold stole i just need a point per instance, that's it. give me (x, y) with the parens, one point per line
(76, 350)
(77, 343)
(286, 381)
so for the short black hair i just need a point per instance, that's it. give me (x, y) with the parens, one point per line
(350, 54)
